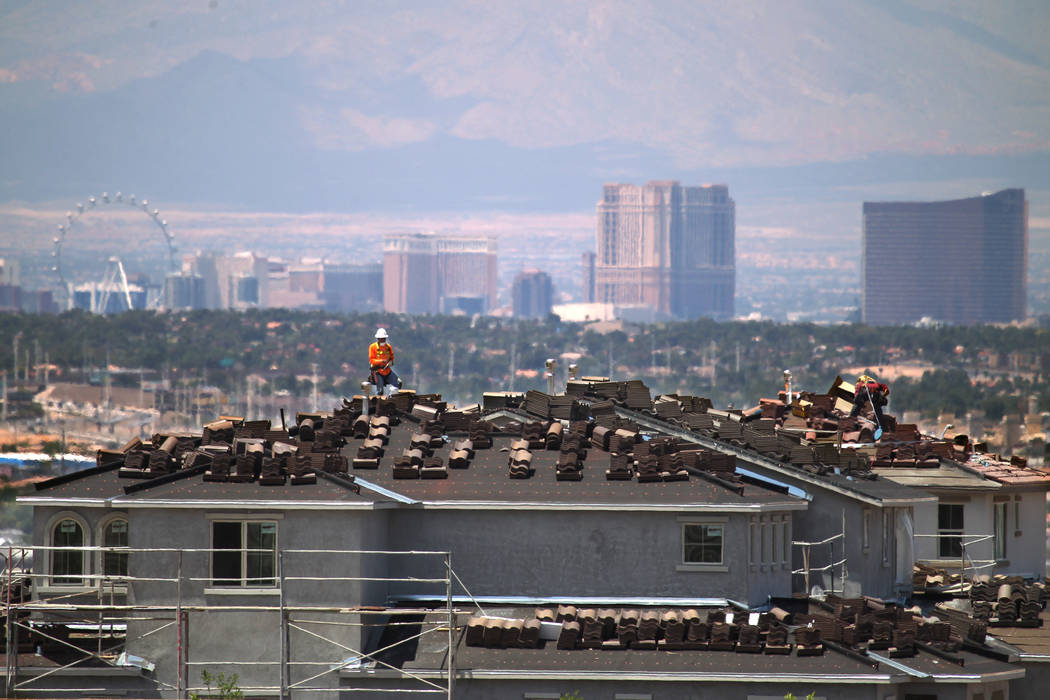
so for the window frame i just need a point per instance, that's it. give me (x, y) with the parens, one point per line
(81, 580)
(947, 535)
(1000, 521)
(1017, 515)
(100, 537)
(703, 522)
(866, 529)
(243, 584)
(887, 516)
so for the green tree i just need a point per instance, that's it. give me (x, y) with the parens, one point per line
(225, 686)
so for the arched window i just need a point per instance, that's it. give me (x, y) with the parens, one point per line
(67, 566)
(114, 534)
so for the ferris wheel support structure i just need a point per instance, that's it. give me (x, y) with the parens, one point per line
(72, 217)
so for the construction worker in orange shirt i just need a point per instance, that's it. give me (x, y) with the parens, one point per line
(381, 361)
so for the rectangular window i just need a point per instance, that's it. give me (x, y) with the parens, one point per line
(67, 565)
(245, 553)
(787, 541)
(1017, 518)
(999, 529)
(776, 542)
(949, 530)
(865, 529)
(115, 534)
(702, 543)
(766, 557)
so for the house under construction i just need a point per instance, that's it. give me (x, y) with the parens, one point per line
(537, 544)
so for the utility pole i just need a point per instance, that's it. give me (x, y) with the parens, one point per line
(14, 354)
(3, 380)
(314, 397)
(248, 407)
(513, 364)
(451, 362)
(36, 360)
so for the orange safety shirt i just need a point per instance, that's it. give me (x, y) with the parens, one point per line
(380, 355)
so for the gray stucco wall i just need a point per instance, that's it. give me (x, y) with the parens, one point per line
(823, 519)
(215, 633)
(544, 553)
(1025, 531)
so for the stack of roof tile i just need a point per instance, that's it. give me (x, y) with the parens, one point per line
(369, 453)
(600, 437)
(620, 468)
(461, 454)
(406, 466)
(520, 461)
(535, 434)
(667, 407)
(722, 636)
(433, 468)
(569, 467)
(622, 441)
(217, 432)
(809, 641)
(219, 469)
(480, 433)
(552, 440)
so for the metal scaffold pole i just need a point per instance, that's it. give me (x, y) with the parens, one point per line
(180, 661)
(284, 628)
(451, 625)
(8, 628)
(316, 620)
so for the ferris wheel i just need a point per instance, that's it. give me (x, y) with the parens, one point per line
(115, 273)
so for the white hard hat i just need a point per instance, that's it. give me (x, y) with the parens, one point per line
(381, 333)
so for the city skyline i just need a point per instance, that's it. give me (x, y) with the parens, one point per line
(276, 118)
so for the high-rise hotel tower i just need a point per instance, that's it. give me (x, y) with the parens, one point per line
(963, 261)
(667, 247)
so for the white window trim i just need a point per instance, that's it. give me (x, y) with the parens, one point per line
(100, 537)
(887, 514)
(752, 543)
(713, 567)
(785, 549)
(49, 540)
(866, 530)
(777, 540)
(1000, 527)
(243, 588)
(234, 515)
(764, 557)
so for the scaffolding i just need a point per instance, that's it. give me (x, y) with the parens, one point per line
(103, 606)
(964, 541)
(807, 568)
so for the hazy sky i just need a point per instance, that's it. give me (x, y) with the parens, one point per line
(633, 88)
